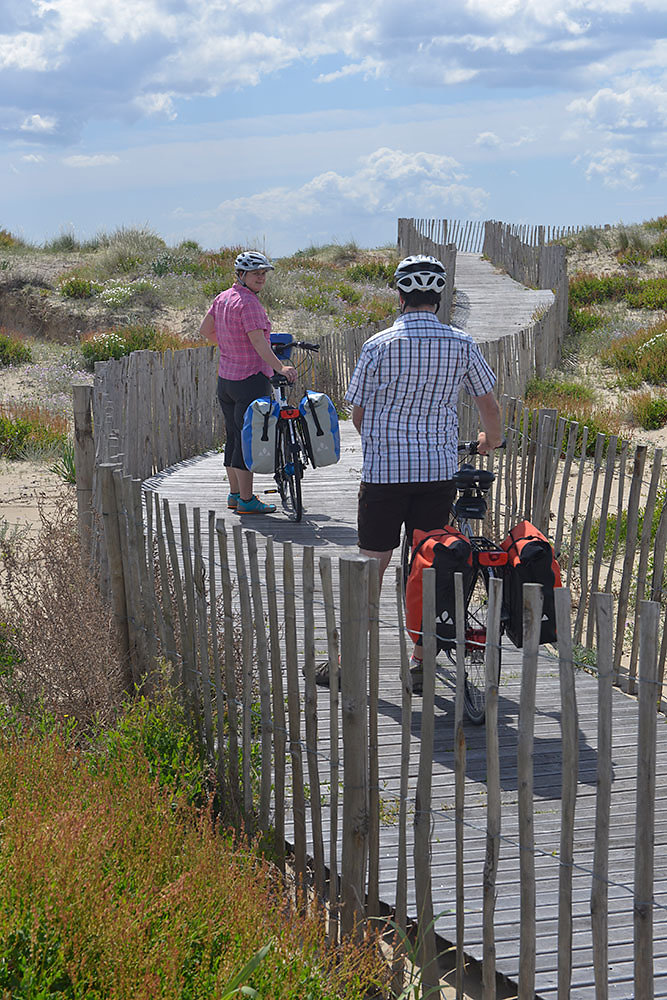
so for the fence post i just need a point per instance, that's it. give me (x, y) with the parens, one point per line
(354, 642)
(422, 823)
(402, 865)
(294, 714)
(278, 703)
(247, 631)
(262, 646)
(493, 792)
(649, 620)
(115, 556)
(310, 711)
(333, 649)
(570, 777)
(599, 892)
(532, 621)
(460, 776)
(84, 462)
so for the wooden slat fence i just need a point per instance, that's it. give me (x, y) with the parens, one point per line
(235, 635)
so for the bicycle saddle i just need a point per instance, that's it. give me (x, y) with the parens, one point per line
(468, 478)
(471, 507)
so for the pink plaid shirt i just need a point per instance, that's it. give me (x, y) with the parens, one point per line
(236, 312)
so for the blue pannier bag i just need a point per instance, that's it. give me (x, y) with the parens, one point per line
(320, 424)
(258, 435)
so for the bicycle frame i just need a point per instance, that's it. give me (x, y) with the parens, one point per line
(291, 456)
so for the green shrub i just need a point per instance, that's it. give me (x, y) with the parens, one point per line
(648, 411)
(633, 257)
(77, 287)
(660, 223)
(588, 289)
(642, 353)
(116, 343)
(23, 427)
(171, 262)
(65, 466)
(554, 393)
(347, 293)
(582, 321)
(12, 350)
(660, 248)
(651, 294)
(114, 886)
(212, 288)
(372, 270)
(10, 657)
(7, 239)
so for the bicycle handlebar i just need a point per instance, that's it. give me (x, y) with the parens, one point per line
(470, 447)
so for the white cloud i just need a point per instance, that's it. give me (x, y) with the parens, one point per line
(25, 51)
(639, 106)
(32, 158)
(38, 123)
(157, 104)
(388, 182)
(615, 168)
(489, 140)
(367, 68)
(98, 160)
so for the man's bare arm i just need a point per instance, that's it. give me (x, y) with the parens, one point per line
(492, 434)
(357, 417)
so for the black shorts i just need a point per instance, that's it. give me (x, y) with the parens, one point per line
(235, 397)
(385, 507)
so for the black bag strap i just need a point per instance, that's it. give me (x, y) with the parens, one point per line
(265, 430)
(320, 432)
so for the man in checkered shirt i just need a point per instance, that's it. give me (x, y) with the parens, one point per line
(404, 392)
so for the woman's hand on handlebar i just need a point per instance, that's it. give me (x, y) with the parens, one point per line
(290, 373)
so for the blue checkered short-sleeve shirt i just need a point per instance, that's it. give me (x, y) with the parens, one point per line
(408, 380)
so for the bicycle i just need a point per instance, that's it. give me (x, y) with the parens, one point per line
(291, 455)
(488, 559)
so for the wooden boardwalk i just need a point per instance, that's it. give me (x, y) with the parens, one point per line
(329, 525)
(489, 304)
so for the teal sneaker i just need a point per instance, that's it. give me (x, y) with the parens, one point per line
(233, 500)
(254, 506)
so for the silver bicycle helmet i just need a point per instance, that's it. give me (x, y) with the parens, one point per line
(252, 260)
(420, 273)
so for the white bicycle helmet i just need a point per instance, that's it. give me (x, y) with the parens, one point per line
(252, 260)
(420, 273)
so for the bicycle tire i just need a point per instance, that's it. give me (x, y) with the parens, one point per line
(289, 472)
(477, 610)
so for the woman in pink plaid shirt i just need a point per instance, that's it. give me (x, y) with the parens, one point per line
(238, 323)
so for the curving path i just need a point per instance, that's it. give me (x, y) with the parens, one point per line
(489, 304)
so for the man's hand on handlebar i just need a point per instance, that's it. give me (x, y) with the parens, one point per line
(289, 372)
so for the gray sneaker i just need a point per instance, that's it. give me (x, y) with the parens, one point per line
(417, 676)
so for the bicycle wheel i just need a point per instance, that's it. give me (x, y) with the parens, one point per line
(477, 610)
(289, 471)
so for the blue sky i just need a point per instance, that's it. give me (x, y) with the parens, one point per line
(284, 123)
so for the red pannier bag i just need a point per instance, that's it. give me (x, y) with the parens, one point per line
(448, 551)
(531, 559)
